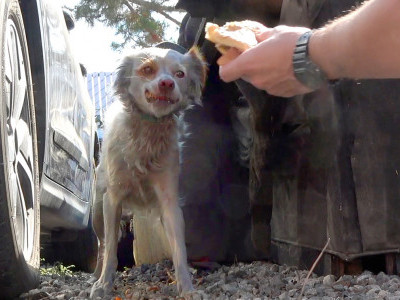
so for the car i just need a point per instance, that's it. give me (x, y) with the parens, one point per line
(48, 146)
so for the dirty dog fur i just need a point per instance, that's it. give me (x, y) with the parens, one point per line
(139, 163)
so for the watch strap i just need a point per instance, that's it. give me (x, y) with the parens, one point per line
(306, 71)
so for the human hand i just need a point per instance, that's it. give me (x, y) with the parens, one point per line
(268, 65)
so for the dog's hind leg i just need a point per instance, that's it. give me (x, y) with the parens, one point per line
(112, 217)
(166, 188)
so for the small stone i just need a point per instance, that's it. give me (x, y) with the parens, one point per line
(357, 297)
(383, 294)
(44, 283)
(292, 292)
(310, 292)
(328, 280)
(168, 290)
(346, 278)
(363, 279)
(47, 289)
(274, 268)
(382, 277)
(331, 293)
(392, 287)
(277, 282)
(35, 294)
(338, 287)
(373, 292)
(371, 281)
(255, 291)
(83, 294)
(230, 288)
(394, 279)
(357, 288)
(144, 268)
(64, 287)
(320, 290)
(283, 296)
(375, 287)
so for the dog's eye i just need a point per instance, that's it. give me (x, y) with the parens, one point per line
(180, 74)
(148, 70)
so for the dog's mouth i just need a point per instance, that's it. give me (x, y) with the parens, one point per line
(154, 98)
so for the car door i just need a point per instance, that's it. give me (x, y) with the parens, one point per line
(68, 159)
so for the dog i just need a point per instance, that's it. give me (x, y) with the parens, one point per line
(139, 162)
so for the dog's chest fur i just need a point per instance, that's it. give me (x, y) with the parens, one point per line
(135, 151)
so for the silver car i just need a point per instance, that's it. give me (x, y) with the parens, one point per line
(47, 145)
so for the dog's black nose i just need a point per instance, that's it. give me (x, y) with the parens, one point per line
(166, 85)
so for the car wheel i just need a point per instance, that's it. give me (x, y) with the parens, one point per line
(19, 178)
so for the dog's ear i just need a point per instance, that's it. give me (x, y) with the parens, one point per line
(198, 73)
(123, 77)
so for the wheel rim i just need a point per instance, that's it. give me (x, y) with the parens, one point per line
(19, 143)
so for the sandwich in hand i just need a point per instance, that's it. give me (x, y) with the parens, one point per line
(240, 35)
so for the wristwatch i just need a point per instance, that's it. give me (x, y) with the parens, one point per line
(307, 72)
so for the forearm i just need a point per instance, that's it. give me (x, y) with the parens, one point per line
(363, 44)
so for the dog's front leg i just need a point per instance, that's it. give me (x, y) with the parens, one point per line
(112, 217)
(166, 188)
(98, 227)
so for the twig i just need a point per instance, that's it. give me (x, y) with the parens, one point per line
(171, 277)
(313, 267)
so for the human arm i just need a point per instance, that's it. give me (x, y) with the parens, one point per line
(351, 46)
(362, 44)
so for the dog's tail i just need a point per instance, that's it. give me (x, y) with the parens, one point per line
(150, 241)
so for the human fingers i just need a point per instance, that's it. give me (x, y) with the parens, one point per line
(228, 56)
(264, 34)
(232, 70)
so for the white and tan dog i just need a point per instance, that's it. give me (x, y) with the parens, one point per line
(139, 163)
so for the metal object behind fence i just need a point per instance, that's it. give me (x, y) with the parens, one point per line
(100, 87)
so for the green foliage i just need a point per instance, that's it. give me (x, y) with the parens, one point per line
(138, 22)
(57, 269)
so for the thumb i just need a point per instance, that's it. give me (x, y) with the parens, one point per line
(265, 34)
(231, 71)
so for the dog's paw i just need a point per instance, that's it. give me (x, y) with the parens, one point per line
(99, 289)
(97, 293)
(194, 295)
(92, 279)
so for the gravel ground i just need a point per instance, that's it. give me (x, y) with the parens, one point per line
(257, 280)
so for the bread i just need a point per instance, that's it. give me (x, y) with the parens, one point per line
(240, 35)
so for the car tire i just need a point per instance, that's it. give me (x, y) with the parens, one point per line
(19, 175)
